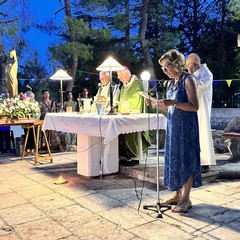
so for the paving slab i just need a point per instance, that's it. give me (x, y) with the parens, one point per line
(111, 207)
(44, 228)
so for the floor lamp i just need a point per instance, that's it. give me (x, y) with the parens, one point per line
(157, 207)
(61, 75)
(109, 65)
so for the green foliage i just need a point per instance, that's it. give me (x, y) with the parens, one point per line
(80, 27)
(62, 52)
(14, 19)
(34, 73)
(103, 27)
(83, 51)
(234, 6)
(33, 68)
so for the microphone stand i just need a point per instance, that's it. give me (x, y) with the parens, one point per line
(157, 207)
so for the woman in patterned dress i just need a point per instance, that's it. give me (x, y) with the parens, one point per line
(182, 151)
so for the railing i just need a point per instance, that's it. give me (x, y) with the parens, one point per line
(226, 93)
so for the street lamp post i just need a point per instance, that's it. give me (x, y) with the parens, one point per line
(61, 75)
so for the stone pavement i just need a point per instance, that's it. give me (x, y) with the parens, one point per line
(111, 207)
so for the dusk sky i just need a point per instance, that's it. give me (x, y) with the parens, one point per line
(43, 10)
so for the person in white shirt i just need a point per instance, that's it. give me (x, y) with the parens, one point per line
(204, 79)
(104, 89)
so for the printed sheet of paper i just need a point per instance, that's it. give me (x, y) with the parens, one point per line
(145, 95)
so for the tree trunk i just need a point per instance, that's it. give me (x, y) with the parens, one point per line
(127, 32)
(74, 55)
(142, 35)
(222, 40)
(3, 59)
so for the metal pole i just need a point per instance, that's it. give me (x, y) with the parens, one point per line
(157, 136)
(61, 93)
(157, 207)
(111, 112)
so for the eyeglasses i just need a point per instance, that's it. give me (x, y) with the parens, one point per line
(190, 65)
(166, 67)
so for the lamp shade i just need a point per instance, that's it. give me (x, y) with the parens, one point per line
(110, 64)
(60, 74)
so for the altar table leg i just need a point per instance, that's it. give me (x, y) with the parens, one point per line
(140, 149)
(95, 158)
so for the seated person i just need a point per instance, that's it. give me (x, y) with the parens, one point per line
(128, 143)
(70, 102)
(104, 90)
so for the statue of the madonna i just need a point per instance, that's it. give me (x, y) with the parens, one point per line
(11, 75)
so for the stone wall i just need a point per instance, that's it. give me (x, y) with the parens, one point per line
(221, 116)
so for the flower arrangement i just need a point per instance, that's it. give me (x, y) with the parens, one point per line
(101, 104)
(18, 107)
(101, 99)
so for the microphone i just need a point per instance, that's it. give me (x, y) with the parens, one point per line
(159, 83)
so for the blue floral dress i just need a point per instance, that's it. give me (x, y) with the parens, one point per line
(182, 151)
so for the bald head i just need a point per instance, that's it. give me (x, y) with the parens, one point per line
(124, 75)
(193, 63)
(193, 57)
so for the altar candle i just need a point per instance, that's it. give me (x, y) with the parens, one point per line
(124, 106)
(68, 108)
(86, 103)
(60, 180)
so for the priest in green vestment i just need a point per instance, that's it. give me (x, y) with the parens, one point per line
(128, 143)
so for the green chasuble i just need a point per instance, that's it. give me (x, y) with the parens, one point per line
(129, 141)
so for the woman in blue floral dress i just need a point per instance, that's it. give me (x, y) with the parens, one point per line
(182, 151)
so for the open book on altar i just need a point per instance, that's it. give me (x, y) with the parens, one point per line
(147, 96)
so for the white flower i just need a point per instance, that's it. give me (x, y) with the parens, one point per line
(19, 107)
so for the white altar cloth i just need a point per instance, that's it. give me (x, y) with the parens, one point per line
(95, 158)
(106, 126)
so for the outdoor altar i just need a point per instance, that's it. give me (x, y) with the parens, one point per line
(97, 136)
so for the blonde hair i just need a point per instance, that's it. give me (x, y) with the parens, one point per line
(174, 57)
